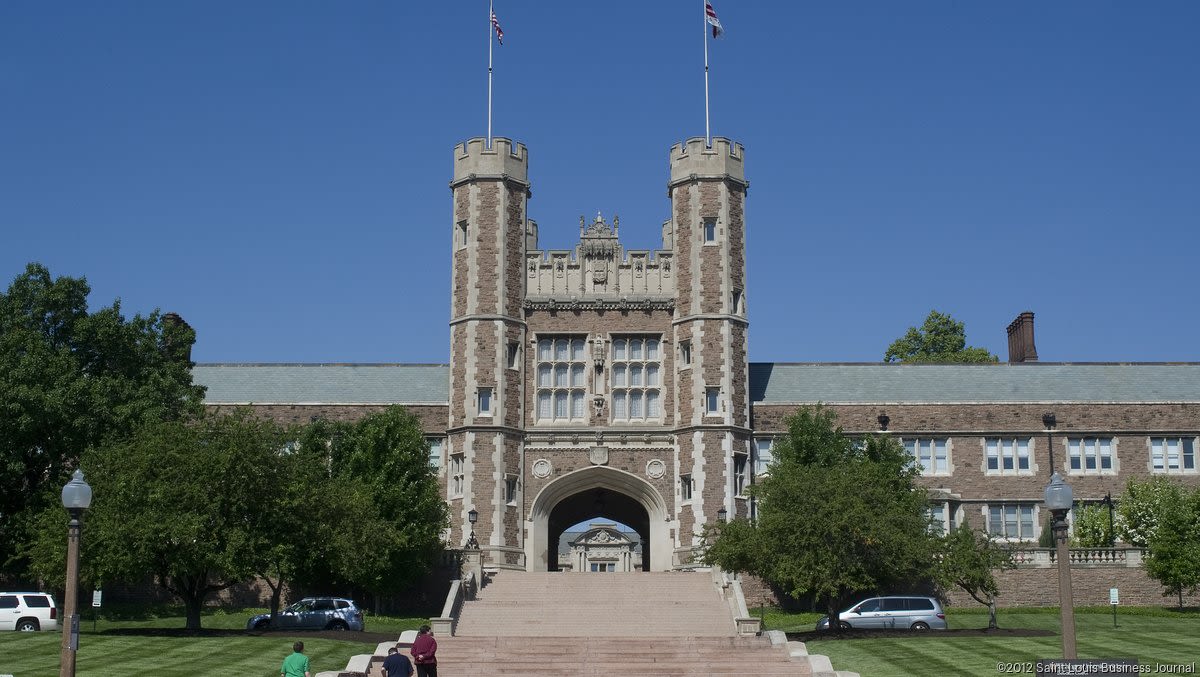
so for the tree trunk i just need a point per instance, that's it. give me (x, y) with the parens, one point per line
(992, 625)
(193, 603)
(276, 593)
(835, 621)
(1181, 598)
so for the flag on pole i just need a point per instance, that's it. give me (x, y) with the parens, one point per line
(711, 15)
(499, 30)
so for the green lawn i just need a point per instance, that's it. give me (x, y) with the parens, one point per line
(1154, 636)
(120, 648)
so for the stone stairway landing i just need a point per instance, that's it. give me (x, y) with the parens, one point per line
(554, 604)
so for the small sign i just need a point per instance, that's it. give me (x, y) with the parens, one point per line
(96, 595)
(1112, 596)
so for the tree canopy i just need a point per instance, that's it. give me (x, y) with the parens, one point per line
(1175, 547)
(837, 517)
(940, 340)
(969, 560)
(71, 379)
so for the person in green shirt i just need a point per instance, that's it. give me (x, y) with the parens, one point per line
(295, 665)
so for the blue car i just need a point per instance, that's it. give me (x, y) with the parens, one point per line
(312, 613)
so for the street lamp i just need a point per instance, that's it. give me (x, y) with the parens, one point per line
(76, 497)
(472, 517)
(1112, 535)
(722, 515)
(1049, 421)
(1058, 501)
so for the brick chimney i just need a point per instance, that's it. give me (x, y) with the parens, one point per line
(1020, 339)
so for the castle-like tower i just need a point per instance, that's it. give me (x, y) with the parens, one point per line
(595, 381)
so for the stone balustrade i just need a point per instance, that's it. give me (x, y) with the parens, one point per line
(1080, 557)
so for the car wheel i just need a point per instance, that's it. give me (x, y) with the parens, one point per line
(262, 625)
(844, 625)
(920, 625)
(27, 625)
(337, 625)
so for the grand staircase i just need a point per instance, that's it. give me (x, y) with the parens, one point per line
(670, 624)
(666, 604)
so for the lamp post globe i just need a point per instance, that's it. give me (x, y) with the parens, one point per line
(76, 498)
(1058, 497)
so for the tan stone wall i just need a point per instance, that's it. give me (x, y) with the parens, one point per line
(685, 243)
(1089, 587)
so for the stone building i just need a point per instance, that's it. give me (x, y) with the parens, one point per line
(601, 371)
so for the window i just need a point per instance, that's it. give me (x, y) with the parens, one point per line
(1172, 454)
(739, 474)
(514, 355)
(710, 230)
(1011, 521)
(735, 305)
(712, 400)
(685, 487)
(1090, 454)
(603, 567)
(1008, 456)
(636, 379)
(685, 353)
(937, 518)
(460, 235)
(763, 455)
(8, 601)
(510, 489)
(435, 451)
(484, 402)
(456, 475)
(930, 454)
(561, 378)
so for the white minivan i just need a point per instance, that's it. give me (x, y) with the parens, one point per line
(27, 611)
(892, 613)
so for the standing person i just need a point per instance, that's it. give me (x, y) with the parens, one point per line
(396, 664)
(424, 653)
(295, 665)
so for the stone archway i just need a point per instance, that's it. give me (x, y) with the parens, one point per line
(627, 498)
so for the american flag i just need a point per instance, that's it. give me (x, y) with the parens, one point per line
(711, 15)
(499, 30)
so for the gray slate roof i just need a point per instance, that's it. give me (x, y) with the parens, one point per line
(324, 383)
(770, 383)
(778, 383)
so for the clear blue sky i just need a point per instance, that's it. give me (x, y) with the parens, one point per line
(276, 172)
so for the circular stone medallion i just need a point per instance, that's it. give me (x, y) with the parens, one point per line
(542, 468)
(655, 469)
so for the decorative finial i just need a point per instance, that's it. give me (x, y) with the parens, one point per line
(616, 224)
(582, 224)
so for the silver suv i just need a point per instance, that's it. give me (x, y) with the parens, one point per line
(312, 613)
(888, 613)
(27, 611)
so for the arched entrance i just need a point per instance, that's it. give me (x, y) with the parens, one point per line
(598, 491)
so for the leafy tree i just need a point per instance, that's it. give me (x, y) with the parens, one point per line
(941, 340)
(71, 379)
(188, 504)
(969, 560)
(837, 517)
(1091, 526)
(395, 511)
(1175, 546)
(1141, 507)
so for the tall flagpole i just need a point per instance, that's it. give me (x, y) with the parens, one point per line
(491, 29)
(704, 17)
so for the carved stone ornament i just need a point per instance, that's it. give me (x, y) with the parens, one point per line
(542, 468)
(655, 469)
(598, 455)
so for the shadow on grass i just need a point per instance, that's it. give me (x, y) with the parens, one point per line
(339, 635)
(915, 634)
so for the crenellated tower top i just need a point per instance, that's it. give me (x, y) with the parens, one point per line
(693, 159)
(504, 160)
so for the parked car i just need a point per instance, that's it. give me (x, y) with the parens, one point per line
(896, 612)
(27, 611)
(313, 613)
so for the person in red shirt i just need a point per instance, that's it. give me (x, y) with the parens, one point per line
(424, 652)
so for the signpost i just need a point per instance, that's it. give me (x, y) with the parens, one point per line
(1113, 601)
(96, 597)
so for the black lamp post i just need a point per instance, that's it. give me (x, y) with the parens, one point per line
(722, 515)
(472, 517)
(1049, 421)
(76, 498)
(1112, 536)
(1058, 500)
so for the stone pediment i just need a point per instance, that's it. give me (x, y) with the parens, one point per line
(602, 536)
